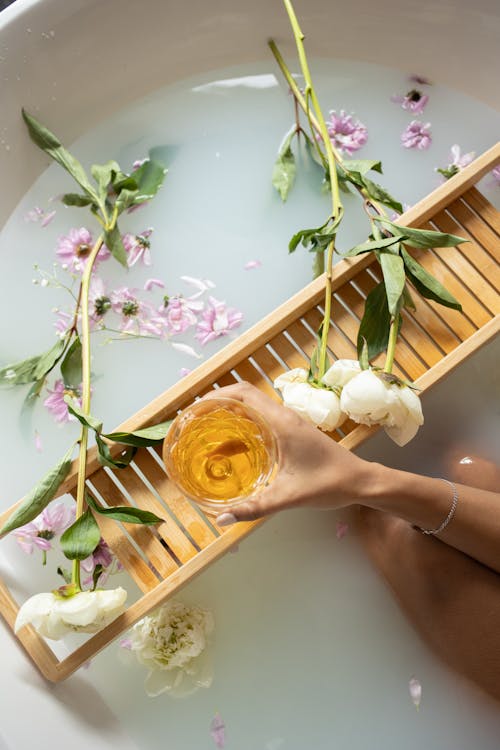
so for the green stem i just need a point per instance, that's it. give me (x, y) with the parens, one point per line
(85, 342)
(332, 169)
(391, 346)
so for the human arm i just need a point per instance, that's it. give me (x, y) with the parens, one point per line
(314, 471)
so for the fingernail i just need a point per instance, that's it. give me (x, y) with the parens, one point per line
(225, 519)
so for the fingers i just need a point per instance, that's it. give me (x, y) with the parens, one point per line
(262, 504)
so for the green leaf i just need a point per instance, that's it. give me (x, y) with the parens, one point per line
(423, 237)
(49, 143)
(104, 174)
(375, 324)
(313, 152)
(49, 359)
(316, 239)
(318, 266)
(362, 166)
(75, 199)
(149, 178)
(142, 438)
(86, 419)
(106, 459)
(370, 245)
(427, 285)
(125, 513)
(81, 538)
(380, 194)
(114, 243)
(40, 496)
(65, 573)
(285, 168)
(71, 366)
(393, 270)
(364, 361)
(19, 373)
(408, 302)
(96, 574)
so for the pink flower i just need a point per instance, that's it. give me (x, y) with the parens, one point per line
(457, 162)
(217, 320)
(417, 135)
(180, 314)
(137, 317)
(74, 248)
(99, 301)
(341, 529)
(137, 247)
(346, 133)
(102, 555)
(63, 322)
(56, 405)
(251, 264)
(51, 522)
(218, 731)
(414, 101)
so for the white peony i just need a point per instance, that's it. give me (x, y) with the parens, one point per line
(341, 372)
(320, 406)
(86, 612)
(367, 399)
(172, 644)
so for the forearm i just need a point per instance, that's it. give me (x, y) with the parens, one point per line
(426, 503)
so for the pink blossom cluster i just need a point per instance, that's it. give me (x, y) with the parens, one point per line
(346, 133)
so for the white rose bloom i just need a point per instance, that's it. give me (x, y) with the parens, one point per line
(341, 372)
(85, 612)
(172, 644)
(367, 399)
(319, 406)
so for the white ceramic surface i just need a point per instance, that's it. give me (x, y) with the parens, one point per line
(82, 60)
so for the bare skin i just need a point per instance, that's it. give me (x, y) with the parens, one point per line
(448, 585)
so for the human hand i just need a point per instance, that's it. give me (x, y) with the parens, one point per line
(313, 470)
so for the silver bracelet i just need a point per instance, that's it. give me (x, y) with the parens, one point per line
(450, 515)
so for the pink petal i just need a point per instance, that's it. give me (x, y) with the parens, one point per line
(151, 283)
(125, 643)
(218, 731)
(184, 371)
(38, 442)
(185, 349)
(342, 529)
(252, 264)
(415, 689)
(47, 218)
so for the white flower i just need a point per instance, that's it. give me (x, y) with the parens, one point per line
(367, 399)
(320, 406)
(86, 612)
(172, 644)
(341, 372)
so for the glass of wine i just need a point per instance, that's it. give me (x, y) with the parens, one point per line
(219, 452)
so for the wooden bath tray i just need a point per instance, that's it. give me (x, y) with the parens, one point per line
(434, 340)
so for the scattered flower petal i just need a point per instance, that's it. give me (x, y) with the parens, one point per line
(252, 264)
(38, 214)
(151, 283)
(417, 135)
(341, 529)
(420, 80)
(38, 442)
(217, 320)
(218, 731)
(346, 133)
(180, 314)
(47, 218)
(495, 177)
(415, 689)
(185, 349)
(414, 101)
(126, 643)
(201, 285)
(184, 371)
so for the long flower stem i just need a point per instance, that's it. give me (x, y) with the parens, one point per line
(332, 169)
(391, 345)
(85, 341)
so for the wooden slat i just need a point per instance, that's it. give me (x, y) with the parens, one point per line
(474, 250)
(341, 346)
(268, 363)
(169, 531)
(151, 547)
(483, 208)
(180, 507)
(248, 373)
(288, 352)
